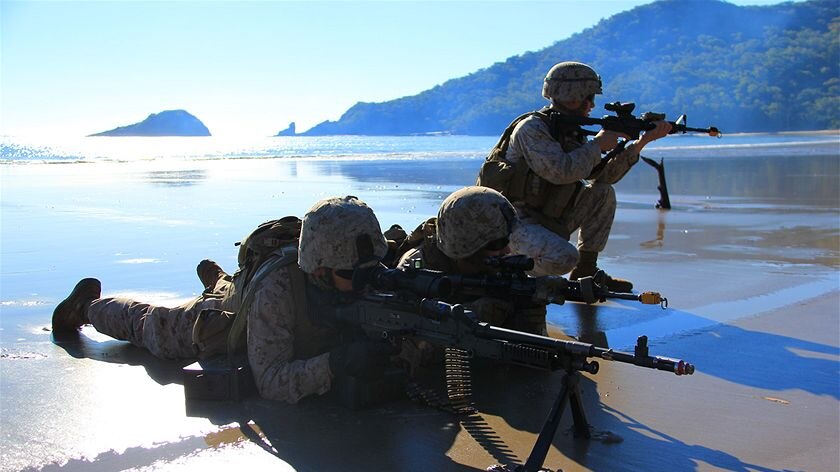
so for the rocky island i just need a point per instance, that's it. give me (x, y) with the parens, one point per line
(290, 131)
(165, 123)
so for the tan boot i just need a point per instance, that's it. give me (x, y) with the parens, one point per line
(209, 273)
(588, 266)
(71, 313)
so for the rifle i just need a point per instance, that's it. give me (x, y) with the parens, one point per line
(625, 122)
(385, 313)
(510, 282)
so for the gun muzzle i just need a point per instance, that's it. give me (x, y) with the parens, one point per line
(684, 368)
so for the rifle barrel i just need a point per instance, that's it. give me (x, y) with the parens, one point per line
(677, 366)
(576, 348)
(711, 131)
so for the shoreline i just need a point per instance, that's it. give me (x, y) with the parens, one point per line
(750, 280)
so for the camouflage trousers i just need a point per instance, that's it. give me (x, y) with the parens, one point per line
(165, 332)
(553, 254)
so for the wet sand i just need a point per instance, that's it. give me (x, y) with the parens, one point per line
(752, 283)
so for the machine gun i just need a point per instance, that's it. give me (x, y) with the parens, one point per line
(397, 314)
(510, 282)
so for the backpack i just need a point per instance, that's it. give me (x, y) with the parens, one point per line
(263, 241)
(496, 172)
(218, 332)
(412, 240)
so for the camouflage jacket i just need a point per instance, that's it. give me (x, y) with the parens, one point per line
(496, 311)
(287, 353)
(556, 167)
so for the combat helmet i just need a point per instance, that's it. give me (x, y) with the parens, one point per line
(340, 233)
(570, 81)
(470, 218)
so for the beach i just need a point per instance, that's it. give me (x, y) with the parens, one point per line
(748, 259)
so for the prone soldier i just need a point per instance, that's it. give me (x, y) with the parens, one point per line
(291, 354)
(474, 224)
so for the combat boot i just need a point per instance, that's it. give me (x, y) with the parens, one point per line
(209, 273)
(588, 266)
(71, 313)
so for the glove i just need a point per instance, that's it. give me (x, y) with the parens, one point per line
(364, 359)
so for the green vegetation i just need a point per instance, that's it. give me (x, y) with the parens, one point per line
(769, 68)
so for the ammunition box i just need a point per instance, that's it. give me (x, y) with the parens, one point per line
(218, 379)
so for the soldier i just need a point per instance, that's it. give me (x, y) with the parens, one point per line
(291, 355)
(563, 189)
(473, 224)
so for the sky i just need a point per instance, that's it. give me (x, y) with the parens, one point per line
(250, 68)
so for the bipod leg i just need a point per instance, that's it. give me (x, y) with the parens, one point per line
(578, 413)
(569, 393)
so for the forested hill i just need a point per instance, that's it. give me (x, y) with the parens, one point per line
(768, 68)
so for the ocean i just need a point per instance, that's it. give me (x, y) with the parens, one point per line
(166, 203)
(783, 167)
(19, 150)
(748, 258)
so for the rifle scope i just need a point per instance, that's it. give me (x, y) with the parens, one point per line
(423, 283)
(621, 108)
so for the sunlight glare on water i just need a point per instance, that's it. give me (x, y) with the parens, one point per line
(130, 149)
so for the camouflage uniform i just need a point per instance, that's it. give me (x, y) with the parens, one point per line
(467, 221)
(566, 162)
(496, 311)
(165, 332)
(274, 334)
(288, 351)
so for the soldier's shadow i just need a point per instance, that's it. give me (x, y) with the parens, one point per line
(318, 433)
(618, 441)
(718, 349)
(321, 434)
(512, 404)
(89, 344)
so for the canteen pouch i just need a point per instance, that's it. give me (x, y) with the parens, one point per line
(495, 174)
(210, 332)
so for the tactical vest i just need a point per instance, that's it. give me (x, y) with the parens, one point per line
(314, 335)
(543, 200)
(311, 338)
